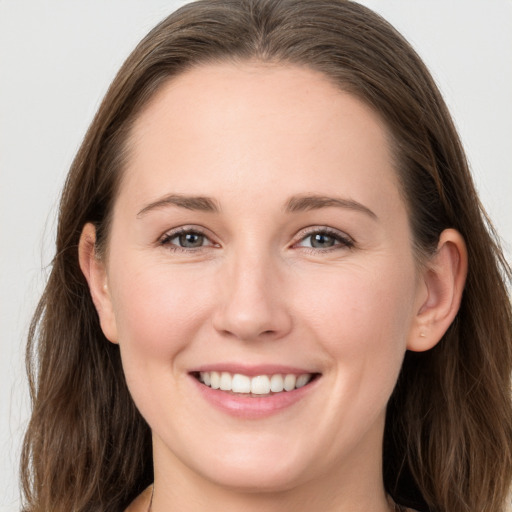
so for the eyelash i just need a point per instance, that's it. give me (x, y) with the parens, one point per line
(340, 240)
(166, 239)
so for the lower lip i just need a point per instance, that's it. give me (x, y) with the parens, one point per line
(253, 407)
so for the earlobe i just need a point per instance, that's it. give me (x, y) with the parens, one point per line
(95, 273)
(443, 279)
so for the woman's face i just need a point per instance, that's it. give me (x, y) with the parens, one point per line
(259, 233)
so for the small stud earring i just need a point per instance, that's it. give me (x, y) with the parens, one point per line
(422, 334)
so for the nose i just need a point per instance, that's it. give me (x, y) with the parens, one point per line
(252, 301)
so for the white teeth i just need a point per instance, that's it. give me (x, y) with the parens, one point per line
(205, 377)
(289, 382)
(225, 381)
(302, 380)
(276, 383)
(240, 384)
(258, 385)
(214, 380)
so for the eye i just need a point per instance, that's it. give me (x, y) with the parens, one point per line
(325, 239)
(186, 239)
(189, 240)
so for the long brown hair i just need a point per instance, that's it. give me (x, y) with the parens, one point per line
(448, 435)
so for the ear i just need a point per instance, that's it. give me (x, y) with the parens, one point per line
(95, 273)
(442, 283)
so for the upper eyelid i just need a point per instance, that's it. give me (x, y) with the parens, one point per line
(300, 235)
(311, 230)
(171, 233)
(186, 229)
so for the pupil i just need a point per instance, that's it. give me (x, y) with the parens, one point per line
(321, 240)
(191, 240)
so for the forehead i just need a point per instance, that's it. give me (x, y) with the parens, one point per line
(255, 126)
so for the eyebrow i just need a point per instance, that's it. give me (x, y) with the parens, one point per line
(315, 202)
(294, 204)
(196, 203)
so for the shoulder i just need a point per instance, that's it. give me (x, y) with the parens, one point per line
(141, 502)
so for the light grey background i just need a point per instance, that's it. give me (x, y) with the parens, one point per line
(56, 61)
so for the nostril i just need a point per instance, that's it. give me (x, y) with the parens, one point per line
(250, 320)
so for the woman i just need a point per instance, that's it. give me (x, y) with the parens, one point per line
(274, 286)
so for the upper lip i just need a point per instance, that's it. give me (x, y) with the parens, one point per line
(252, 370)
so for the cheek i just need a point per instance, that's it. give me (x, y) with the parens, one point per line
(158, 310)
(363, 299)
(362, 318)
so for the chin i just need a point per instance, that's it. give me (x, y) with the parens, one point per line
(264, 479)
(261, 468)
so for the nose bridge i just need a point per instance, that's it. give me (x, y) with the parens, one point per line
(252, 304)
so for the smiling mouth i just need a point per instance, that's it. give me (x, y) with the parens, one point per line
(257, 386)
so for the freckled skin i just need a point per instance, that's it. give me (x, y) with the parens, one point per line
(250, 137)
